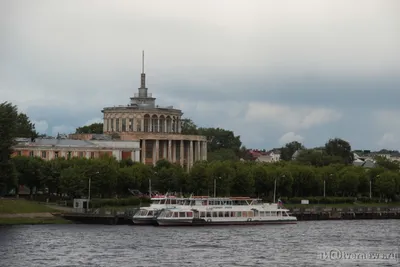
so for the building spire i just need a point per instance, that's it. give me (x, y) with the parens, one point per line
(143, 61)
(143, 75)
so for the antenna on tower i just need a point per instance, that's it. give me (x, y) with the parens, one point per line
(143, 61)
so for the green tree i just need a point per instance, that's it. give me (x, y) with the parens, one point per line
(24, 127)
(30, 172)
(188, 127)
(386, 184)
(8, 131)
(340, 148)
(318, 158)
(288, 150)
(94, 128)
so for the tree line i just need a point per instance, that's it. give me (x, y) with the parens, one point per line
(111, 178)
(301, 173)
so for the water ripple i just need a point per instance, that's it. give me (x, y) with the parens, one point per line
(119, 246)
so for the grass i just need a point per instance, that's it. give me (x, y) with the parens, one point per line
(22, 221)
(12, 206)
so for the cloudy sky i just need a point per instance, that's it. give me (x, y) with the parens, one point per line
(272, 71)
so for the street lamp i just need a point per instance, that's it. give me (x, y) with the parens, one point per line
(90, 182)
(283, 176)
(370, 186)
(215, 186)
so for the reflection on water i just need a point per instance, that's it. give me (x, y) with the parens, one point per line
(268, 245)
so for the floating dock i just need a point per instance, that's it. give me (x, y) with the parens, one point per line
(111, 217)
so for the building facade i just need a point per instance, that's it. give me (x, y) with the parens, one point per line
(49, 149)
(156, 128)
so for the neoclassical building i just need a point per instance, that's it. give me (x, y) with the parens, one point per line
(157, 128)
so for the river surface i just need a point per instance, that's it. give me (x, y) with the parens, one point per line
(314, 243)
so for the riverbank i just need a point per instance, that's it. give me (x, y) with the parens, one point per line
(20, 211)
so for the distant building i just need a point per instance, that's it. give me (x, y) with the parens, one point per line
(156, 128)
(49, 149)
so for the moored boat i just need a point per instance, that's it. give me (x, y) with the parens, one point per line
(225, 211)
(148, 215)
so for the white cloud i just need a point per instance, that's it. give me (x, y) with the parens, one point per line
(95, 120)
(388, 125)
(291, 118)
(41, 126)
(289, 137)
(62, 129)
(389, 140)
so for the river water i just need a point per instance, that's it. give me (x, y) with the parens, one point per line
(313, 243)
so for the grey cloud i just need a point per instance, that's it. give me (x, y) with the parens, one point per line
(63, 62)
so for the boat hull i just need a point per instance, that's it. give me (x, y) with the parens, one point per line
(201, 222)
(144, 221)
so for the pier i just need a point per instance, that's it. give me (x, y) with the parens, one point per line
(114, 217)
(353, 213)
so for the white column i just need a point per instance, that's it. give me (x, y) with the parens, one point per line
(182, 153)
(165, 149)
(169, 150)
(142, 125)
(105, 121)
(143, 151)
(174, 151)
(198, 151)
(191, 154)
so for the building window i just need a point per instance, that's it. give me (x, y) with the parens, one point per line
(69, 155)
(112, 125)
(124, 124)
(138, 125)
(131, 125)
(149, 150)
(31, 154)
(43, 154)
(55, 154)
(92, 155)
(81, 154)
(117, 125)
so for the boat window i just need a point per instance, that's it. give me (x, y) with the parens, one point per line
(173, 201)
(175, 214)
(143, 213)
(204, 203)
(169, 214)
(202, 214)
(256, 213)
(209, 214)
(273, 213)
(262, 213)
(226, 213)
(215, 214)
(189, 214)
(182, 214)
(221, 214)
(244, 213)
(250, 214)
(279, 213)
(150, 213)
(232, 214)
(162, 201)
(239, 214)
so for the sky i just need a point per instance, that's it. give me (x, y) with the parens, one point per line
(271, 71)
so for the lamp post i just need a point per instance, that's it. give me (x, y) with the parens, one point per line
(215, 186)
(283, 176)
(90, 182)
(370, 186)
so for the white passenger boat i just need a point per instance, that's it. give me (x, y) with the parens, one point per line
(225, 211)
(148, 215)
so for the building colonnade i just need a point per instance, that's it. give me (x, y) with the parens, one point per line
(183, 152)
(133, 122)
